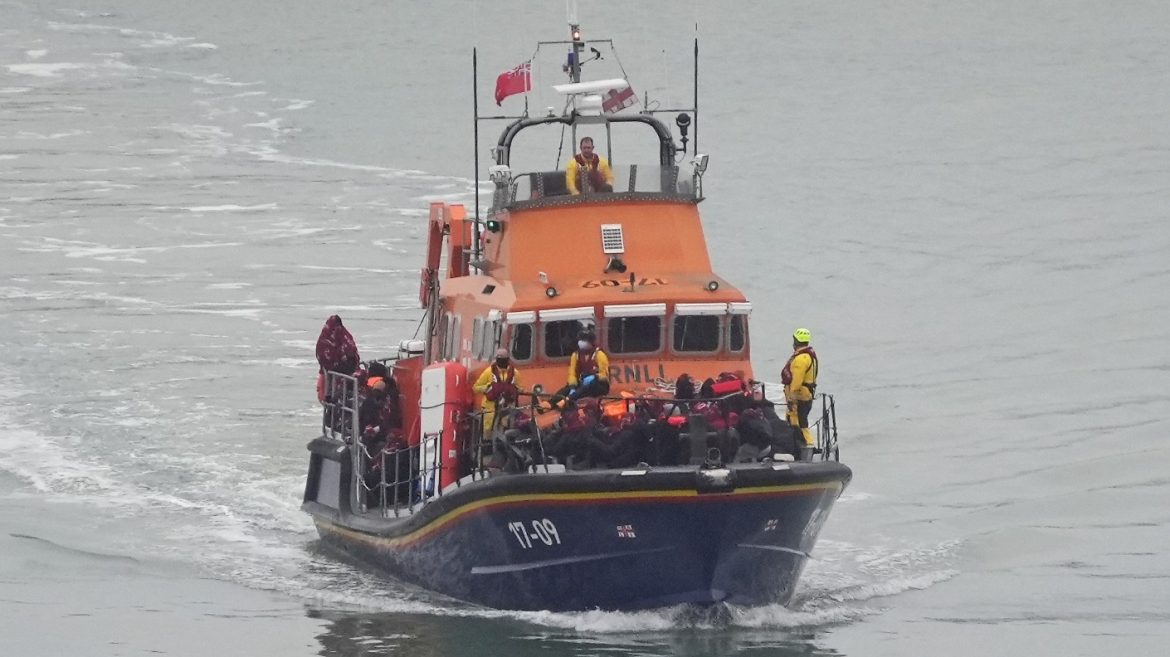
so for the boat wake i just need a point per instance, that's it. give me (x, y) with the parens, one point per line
(846, 583)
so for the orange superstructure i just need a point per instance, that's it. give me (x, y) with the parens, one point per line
(633, 265)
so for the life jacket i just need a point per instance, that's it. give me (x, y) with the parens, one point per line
(589, 171)
(586, 363)
(503, 383)
(727, 384)
(616, 410)
(507, 375)
(582, 416)
(712, 412)
(811, 376)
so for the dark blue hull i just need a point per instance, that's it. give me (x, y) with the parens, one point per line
(601, 539)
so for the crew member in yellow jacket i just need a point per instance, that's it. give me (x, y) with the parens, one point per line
(588, 171)
(800, 382)
(588, 371)
(499, 384)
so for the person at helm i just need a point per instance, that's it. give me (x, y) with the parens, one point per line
(588, 171)
(499, 384)
(588, 369)
(800, 382)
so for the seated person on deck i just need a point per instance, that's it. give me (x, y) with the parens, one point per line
(588, 171)
(588, 371)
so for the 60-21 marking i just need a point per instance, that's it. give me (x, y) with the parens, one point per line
(542, 530)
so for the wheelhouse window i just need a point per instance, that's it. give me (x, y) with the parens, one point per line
(737, 333)
(477, 334)
(697, 332)
(560, 337)
(489, 339)
(454, 337)
(633, 335)
(521, 346)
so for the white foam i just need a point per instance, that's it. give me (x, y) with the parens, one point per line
(301, 232)
(51, 135)
(109, 253)
(294, 363)
(222, 81)
(49, 467)
(603, 621)
(295, 104)
(165, 40)
(365, 270)
(844, 573)
(45, 70)
(383, 172)
(151, 39)
(35, 54)
(52, 465)
(300, 344)
(246, 313)
(271, 124)
(232, 208)
(14, 90)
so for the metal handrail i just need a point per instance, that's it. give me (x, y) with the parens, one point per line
(399, 491)
(826, 429)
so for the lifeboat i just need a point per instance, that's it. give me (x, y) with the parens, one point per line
(689, 505)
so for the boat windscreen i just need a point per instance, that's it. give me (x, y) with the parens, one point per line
(634, 335)
(640, 178)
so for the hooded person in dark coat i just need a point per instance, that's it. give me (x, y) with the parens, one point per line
(336, 350)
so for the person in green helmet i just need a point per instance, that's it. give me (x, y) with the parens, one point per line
(800, 382)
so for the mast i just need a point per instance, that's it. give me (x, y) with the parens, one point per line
(475, 146)
(695, 106)
(578, 45)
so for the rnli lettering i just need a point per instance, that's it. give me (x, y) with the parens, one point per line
(636, 373)
(613, 282)
(542, 530)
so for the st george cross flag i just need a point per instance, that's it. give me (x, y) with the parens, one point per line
(616, 101)
(515, 81)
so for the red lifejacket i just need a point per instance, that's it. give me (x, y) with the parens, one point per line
(586, 363)
(503, 383)
(786, 373)
(726, 387)
(589, 171)
(506, 376)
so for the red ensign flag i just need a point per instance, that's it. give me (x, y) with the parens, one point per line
(515, 81)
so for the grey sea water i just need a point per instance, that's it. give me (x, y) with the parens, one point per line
(966, 202)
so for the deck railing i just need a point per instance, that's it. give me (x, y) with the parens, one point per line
(825, 429)
(394, 481)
